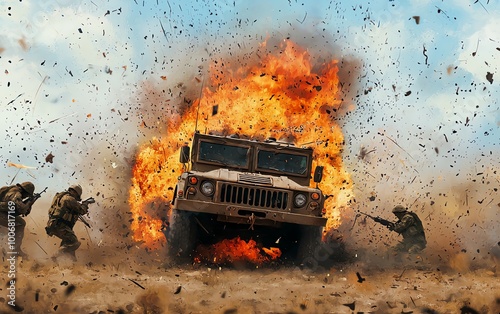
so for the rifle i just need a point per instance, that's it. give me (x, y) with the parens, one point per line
(80, 217)
(379, 220)
(32, 200)
(86, 201)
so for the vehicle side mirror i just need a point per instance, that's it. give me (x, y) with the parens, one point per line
(184, 156)
(318, 174)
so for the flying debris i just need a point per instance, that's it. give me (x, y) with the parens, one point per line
(489, 77)
(49, 158)
(351, 306)
(360, 279)
(19, 166)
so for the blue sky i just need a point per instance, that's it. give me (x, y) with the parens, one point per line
(73, 76)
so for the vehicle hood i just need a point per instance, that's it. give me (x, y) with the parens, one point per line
(256, 179)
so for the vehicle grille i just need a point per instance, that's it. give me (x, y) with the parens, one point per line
(254, 179)
(253, 196)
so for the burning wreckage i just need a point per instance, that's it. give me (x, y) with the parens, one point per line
(250, 189)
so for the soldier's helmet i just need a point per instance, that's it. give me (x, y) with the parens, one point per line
(28, 187)
(399, 209)
(77, 188)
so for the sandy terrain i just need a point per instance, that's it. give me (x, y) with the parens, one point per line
(134, 281)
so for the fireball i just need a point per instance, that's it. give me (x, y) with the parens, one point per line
(237, 250)
(284, 96)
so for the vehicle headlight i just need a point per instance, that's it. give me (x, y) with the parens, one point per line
(207, 188)
(300, 200)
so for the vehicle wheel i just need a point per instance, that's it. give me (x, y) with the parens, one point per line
(182, 235)
(308, 245)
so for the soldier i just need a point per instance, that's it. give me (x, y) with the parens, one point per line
(16, 201)
(63, 213)
(411, 228)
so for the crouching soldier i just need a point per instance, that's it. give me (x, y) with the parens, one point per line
(410, 227)
(65, 210)
(16, 201)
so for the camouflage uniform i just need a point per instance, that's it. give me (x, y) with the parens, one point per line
(63, 214)
(410, 227)
(16, 194)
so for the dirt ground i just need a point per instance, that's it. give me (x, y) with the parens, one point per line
(106, 280)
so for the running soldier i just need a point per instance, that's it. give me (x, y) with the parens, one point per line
(65, 210)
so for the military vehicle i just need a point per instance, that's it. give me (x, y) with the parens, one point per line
(234, 186)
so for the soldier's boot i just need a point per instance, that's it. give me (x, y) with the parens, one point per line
(69, 251)
(59, 253)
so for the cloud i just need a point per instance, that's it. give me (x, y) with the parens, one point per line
(480, 53)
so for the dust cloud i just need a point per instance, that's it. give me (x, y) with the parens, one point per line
(416, 156)
(458, 271)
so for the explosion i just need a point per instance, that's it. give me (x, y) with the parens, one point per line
(237, 250)
(284, 96)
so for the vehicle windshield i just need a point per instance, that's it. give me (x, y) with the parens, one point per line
(282, 162)
(227, 155)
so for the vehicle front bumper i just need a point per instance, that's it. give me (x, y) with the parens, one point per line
(249, 213)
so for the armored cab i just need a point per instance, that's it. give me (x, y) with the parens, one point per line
(234, 186)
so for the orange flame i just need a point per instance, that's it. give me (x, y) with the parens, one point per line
(284, 96)
(236, 250)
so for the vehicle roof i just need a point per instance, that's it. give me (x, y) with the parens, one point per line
(271, 143)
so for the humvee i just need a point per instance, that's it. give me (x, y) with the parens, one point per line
(232, 186)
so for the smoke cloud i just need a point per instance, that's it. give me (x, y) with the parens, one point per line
(420, 113)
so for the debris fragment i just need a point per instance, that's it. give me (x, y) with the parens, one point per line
(360, 279)
(49, 158)
(364, 152)
(303, 306)
(178, 290)
(137, 284)
(17, 307)
(489, 77)
(70, 289)
(468, 310)
(425, 54)
(351, 306)
(19, 166)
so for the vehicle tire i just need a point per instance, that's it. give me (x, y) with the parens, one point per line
(308, 244)
(182, 236)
